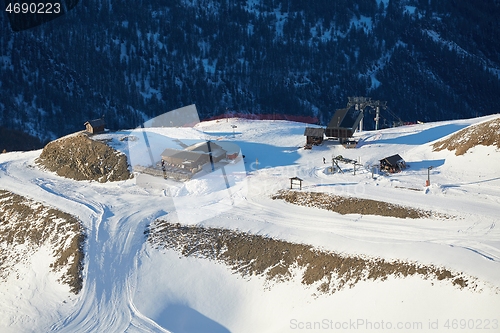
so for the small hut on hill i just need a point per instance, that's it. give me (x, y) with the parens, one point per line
(95, 126)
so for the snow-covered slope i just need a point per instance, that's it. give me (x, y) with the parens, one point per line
(131, 286)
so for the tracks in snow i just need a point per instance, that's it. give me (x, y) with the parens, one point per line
(114, 245)
(115, 236)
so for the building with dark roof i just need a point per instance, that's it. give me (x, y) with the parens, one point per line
(343, 123)
(195, 156)
(184, 159)
(95, 126)
(314, 135)
(392, 164)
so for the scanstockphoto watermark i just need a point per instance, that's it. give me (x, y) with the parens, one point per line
(358, 324)
(202, 176)
(443, 324)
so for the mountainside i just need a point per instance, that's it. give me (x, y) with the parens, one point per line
(485, 134)
(28, 227)
(235, 249)
(130, 60)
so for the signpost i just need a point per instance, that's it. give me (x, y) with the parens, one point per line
(428, 182)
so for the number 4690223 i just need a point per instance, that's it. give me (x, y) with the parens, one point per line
(33, 8)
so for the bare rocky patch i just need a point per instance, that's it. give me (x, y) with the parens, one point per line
(486, 134)
(278, 260)
(81, 158)
(26, 225)
(348, 205)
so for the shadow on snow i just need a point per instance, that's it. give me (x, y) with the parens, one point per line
(470, 183)
(423, 137)
(423, 165)
(267, 155)
(179, 318)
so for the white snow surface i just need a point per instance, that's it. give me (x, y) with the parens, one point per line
(131, 287)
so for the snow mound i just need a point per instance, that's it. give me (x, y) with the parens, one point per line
(485, 134)
(80, 158)
(348, 205)
(278, 260)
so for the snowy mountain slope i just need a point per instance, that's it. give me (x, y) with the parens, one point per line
(40, 259)
(431, 60)
(130, 286)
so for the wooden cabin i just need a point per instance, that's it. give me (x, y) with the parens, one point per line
(392, 164)
(95, 126)
(314, 136)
